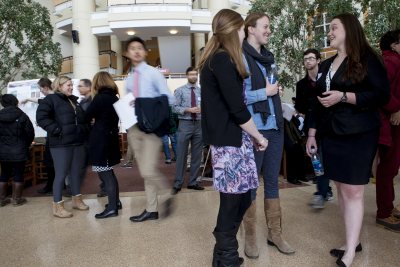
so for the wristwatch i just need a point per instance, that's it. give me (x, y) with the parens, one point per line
(344, 98)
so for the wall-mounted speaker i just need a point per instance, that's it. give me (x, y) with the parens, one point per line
(75, 36)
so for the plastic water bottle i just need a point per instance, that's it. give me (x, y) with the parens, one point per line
(273, 74)
(316, 163)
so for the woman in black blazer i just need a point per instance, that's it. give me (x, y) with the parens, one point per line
(353, 85)
(104, 139)
(228, 127)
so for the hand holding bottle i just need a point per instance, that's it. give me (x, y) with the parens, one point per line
(316, 162)
(272, 86)
(271, 89)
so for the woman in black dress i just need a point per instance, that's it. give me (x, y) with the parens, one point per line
(104, 139)
(353, 85)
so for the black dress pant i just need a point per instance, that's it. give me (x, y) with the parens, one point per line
(111, 188)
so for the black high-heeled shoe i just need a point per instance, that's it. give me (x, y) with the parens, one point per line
(340, 263)
(338, 253)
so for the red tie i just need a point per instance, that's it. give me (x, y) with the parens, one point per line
(135, 83)
(193, 102)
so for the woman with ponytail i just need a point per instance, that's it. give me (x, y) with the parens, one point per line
(229, 129)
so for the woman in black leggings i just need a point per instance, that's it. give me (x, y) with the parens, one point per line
(61, 116)
(104, 139)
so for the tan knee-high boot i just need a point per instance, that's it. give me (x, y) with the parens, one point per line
(250, 236)
(59, 210)
(273, 217)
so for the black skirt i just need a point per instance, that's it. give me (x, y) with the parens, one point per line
(348, 158)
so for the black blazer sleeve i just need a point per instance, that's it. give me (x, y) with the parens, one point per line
(378, 92)
(223, 67)
(301, 98)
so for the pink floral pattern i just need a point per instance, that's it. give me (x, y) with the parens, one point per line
(234, 168)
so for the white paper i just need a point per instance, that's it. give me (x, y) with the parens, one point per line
(30, 89)
(125, 111)
(288, 111)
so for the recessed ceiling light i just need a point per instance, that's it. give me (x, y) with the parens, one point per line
(131, 32)
(173, 31)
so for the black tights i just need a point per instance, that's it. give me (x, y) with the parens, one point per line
(111, 187)
(232, 208)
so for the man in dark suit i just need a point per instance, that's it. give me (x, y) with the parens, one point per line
(305, 92)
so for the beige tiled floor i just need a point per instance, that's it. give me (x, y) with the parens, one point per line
(31, 236)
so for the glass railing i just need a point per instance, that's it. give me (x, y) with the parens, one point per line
(59, 2)
(137, 2)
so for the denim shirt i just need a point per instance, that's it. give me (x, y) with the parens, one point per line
(252, 96)
(151, 83)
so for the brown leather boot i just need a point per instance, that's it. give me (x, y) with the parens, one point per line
(3, 194)
(273, 217)
(59, 210)
(18, 200)
(78, 204)
(250, 237)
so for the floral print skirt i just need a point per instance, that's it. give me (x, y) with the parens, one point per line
(234, 168)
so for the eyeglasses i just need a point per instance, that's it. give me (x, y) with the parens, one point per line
(309, 59)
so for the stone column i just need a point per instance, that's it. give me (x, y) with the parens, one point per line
(214, 6)
(199, 42)
(117, 48)
(86, 53)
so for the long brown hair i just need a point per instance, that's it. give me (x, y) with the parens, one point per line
(102, 80)
(225, 26)
(357, 47)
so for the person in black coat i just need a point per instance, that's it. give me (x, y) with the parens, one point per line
(16, 136)
(60, 115)
(104, 139)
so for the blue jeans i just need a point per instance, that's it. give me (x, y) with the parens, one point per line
(165, 141)
(322, 181)
(269, 161)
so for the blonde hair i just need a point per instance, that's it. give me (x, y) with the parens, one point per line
(225, 26)
(58, 82)
(103, 79)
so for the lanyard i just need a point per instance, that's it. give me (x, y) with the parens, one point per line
(328, 79)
